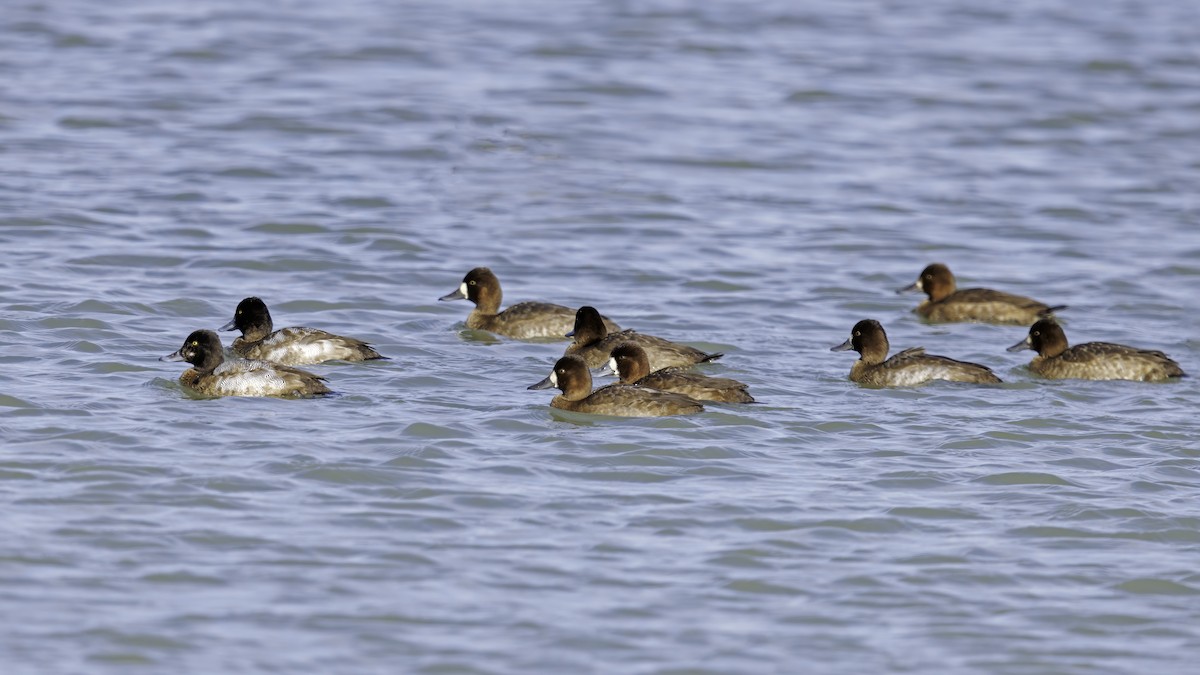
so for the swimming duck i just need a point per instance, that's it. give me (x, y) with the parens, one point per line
(629, 362)
(909, 367)
(215, 375)
(571, 375)
(594, 344)
(973, 304)
(523, 321)
(294, 346)
(1092, 360)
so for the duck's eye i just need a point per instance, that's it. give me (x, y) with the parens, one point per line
(857, 333)
(1036, 333)
(471, 282)
(195, 343)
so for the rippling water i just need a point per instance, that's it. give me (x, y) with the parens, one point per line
(748, 177)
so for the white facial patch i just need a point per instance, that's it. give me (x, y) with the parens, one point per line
(462, 288)
(920, 285)
(554, 377)
(612, 365)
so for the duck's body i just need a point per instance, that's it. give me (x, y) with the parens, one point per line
(214, 375)
(631, 364)
(947, 303)
(293, 346)
(571, 376)
(523, 321)
(594, 344)
(910, 367)
(1093, 360)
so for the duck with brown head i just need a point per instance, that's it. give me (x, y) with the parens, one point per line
(594, 343)
(1092, 360)
(523, 321)
(908, 368)
(571, 376)
(948, 303)
(629, 362)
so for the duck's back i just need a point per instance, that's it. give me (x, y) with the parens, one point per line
(659, 352)
(1107, 361)
(528, 320)
(984, 305)
(298, 346)
(697, 386)
(247, 377)
(623, 400)
(913, 366)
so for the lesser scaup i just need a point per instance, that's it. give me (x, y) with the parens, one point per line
(571, 375)
(214, 375)
(1092, 360)
(908, 368)
(294, 346)
(523, 321)
(593, 343)
(984, 305)
(630, 363)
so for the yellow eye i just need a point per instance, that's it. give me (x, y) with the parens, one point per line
(195, 343)
(472, 283)
(857, 333)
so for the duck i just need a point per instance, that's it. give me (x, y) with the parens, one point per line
(1092, 360)
(630, 363)
(908, 368)
(594, 344)
(983, 305)
(572, 377)
(522, 321)
(214, 375)
(293, 346)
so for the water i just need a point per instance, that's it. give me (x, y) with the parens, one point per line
(748, 177)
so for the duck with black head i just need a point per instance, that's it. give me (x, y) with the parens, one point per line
(1092, 360)
(523, 321)
(571, 376)
(908, 368)
(594, 344)
(630, 363)
(947, 302)
(293, 346)
(214, 375)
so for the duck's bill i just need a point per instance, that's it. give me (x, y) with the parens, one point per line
(603, 371)
(229, 326)
(570, 333)
(914, 286)
(176, 356)
(456, 294)
(845, 346)
(544, 384)
(1023, 344)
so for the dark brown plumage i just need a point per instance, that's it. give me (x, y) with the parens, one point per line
(523, 321)
(593, 343)
(571, 375)
(1092, 360)
(908, 368)
(946, 303)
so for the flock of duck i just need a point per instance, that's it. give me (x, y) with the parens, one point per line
(654, 376)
